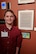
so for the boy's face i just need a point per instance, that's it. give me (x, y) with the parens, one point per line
(9, 18)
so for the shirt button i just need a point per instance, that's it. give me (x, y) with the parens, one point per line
(7, 47)
(7, 42)
(8, 37)
(7, 52)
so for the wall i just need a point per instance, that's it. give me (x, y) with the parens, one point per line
(28, 45)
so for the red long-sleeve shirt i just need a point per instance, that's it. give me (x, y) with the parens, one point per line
(8, 44)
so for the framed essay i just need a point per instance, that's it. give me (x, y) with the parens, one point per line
(25, 1)
(26, 35)
(25, 19)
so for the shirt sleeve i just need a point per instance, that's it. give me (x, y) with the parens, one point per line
(0, 30)
(0, 41)
(19, 39)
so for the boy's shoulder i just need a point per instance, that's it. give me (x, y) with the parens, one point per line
(1, 26)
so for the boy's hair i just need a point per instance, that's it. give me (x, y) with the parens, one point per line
(9, 11)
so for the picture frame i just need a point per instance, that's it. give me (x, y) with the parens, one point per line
(9, 5)
(25, 1)
(3, 5)
(2, 21)
(26, 35)
(26, 19)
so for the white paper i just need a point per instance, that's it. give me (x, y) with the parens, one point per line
(4, 34)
